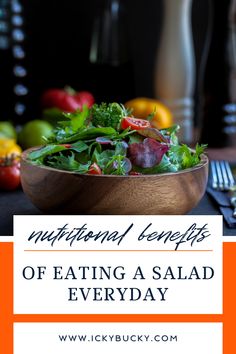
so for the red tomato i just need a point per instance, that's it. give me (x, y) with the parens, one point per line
(94, 169)
(60, 99)
(85, 97)
(10, 176)
(134, 123)
(67, 100)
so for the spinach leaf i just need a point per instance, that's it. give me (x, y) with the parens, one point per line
(87, 133)
(79, 146)
(46, 150)
(53, 148)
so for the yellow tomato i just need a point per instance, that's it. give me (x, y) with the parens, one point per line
(143, 106)
(9, 147)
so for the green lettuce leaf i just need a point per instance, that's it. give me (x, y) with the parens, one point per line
(88, 133)
(184, 157)
(68, 163)
(53, 149)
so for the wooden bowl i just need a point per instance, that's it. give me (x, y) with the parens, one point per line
(56, 191)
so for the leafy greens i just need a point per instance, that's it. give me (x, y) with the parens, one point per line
(94, 136)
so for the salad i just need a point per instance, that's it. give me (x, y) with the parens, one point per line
(106, 140)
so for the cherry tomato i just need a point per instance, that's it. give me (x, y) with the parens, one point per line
(10, 176)
(134, 123)
(94, 169)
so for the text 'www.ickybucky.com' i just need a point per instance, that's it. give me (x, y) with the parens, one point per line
(117, 338)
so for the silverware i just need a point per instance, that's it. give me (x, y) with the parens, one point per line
(223, 180)
(233, 200)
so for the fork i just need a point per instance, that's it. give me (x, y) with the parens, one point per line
(223, 180)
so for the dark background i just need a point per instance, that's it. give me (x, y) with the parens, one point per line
(58, 37)
(57, 43)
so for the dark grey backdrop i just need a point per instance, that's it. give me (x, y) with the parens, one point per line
(58, 40)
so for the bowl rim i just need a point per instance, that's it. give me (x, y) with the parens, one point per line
(204, 162)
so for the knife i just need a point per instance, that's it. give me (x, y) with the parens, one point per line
(232, 194)
(224, 203)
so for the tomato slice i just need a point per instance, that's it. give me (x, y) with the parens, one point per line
(94, 169)
(134, 123)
